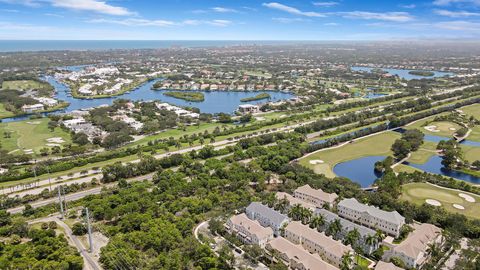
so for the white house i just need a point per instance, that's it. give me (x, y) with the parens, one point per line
(249, 231)
(33, 108)
(293, 201)
(248, 108)
(370, 216)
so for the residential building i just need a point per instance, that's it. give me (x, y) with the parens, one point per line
(413, 250)
(370, 216)
(316, 197)
(293, 201)
(50, 102)
(295, 257)
(266, 216)
(249, 231)
(381, 265)
(329, 249)
(347, 226)
(32, 108)
(248, 108)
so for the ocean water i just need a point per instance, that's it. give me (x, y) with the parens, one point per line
(76, 45)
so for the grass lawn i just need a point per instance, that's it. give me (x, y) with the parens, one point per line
(471, 153)
(473, 110)
(30, 134)
(4, 113)
(443, 127)
(376, 145)
(418, 192)
(475, 134)
(21, 85)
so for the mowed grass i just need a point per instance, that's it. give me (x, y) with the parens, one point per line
(444, 128)
(418, 192)
(4, 113)
(29, 134)
(376, 145)
(473, 110)
(21, 85)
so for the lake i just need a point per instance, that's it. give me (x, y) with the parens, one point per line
(434, 165)
(437, 139)
(403, 73)
(215, 101)
(360, 170)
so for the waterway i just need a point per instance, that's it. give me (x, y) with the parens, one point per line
(404, 73)
(215, 101)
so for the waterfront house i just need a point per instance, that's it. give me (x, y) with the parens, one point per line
(33, 108)
(248, 108)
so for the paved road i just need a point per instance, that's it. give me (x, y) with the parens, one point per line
(89, 262)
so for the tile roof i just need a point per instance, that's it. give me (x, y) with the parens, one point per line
(346, 224)
(393, 216)
(386, 266)
(293, 201)
(267, 212)
(252, 226)
(317, 193)
(299, 254)
(328, 243)
(418, 240)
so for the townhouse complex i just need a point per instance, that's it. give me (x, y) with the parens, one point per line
(249, 231)
(267, 217)
(370, 216)
(316, 197)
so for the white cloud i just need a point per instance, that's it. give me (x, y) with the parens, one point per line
(289, 20)
(385, 16)
(449, 2)
(331, 24)
(92, 5)
(30, 3)
(325, 4)
(135, 22)
(409, 6)
(459, 26)
(292, 10)
(221, 23)
(54, 15)
(9, 26)
(456, 14)
(224, 10)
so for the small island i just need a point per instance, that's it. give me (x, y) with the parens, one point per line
(188, 96)
(257, 97)
(422, 73)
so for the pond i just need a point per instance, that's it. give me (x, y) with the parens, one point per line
(215, 101)
(371, 95)
(434, 165)
(437, 139)
(404, 73)
(360, 170)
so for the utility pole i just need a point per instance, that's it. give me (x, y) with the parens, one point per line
(89, 228)
(60, 202)
(49, 179)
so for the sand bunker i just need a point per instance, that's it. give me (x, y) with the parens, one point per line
(260, 118)
(316, 161)
(467, 197)
(55, 140)
(283, 116)
(52, 144)
(34, 123)
(452, 129)
(432, 128)
(433, 202)
(458, 206)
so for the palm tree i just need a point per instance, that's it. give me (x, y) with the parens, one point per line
(380, 236)
(371, 241)
(306, 215)
(295, 212)
(317, 222)
(352, 237)
(433, 250)
(282, 205)
(347, 261)
(271, 200)
(334, 228)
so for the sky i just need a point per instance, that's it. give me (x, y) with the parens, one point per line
(238, 20)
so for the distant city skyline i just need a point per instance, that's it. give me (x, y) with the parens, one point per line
(238, 20)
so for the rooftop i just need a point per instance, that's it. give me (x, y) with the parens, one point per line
(251, 225)
(352, 203)
(267, 212)
(418, 240)
(317, 193)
